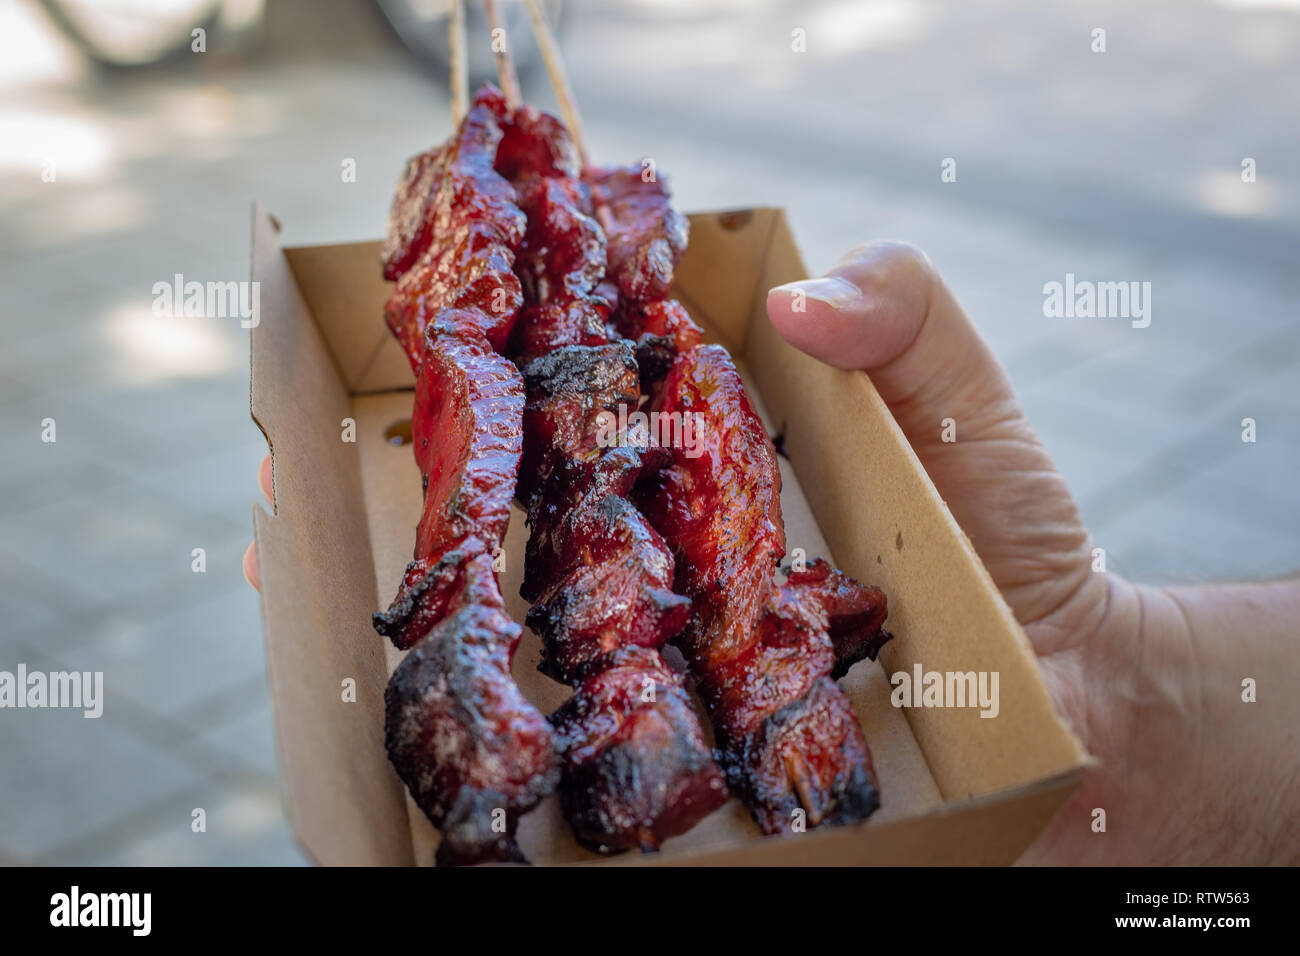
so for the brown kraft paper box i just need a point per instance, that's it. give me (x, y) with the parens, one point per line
(956, 787)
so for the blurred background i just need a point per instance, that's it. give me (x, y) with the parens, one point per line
(127, 156)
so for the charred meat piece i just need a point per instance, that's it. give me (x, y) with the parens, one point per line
(819, 622)
(854, 614)
(410, 221)
(809, 755)
(560, 262)
(477, 228)
(563, 252)
(637, 770)
(471, 274)
(647, 237)
(662, 330)
(536, 143)
(467, 431)
(810, 752)
(544, 328)
(599, 576)
(473, 751)
(761, 654)
(572, 393)
(720, 511)
(601, 581)
(661, 319)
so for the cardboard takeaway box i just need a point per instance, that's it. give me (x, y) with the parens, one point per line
(957, 788)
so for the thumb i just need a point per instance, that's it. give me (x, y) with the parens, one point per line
(884, 309)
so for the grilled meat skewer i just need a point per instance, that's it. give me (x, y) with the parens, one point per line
(636, 769)
(763, 654)
(472, 750)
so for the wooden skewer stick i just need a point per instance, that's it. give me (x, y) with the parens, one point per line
(506, 74)
(550, 51)
(555, 67)
(459, 62)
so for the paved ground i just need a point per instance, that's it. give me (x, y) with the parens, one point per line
(1123, 165)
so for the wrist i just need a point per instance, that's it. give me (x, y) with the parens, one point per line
(1244, 637)
(1192, 709)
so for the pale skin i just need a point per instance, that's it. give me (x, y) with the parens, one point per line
(1149, 678)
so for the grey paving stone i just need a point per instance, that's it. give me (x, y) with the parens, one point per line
(1175, 541)
(33, 600)
(34, 471)
(67, 776)
(155, 423)
(1102, 447)
(250, 736)
(223, 485)
(245, 827)
(168, 662)
(114, 544)
(75, 619)
(1124, 393)
(1271, 465)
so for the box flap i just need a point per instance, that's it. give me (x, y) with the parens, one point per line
(345, 803)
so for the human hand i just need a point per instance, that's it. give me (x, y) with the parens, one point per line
(251, 571)
(1188, 774)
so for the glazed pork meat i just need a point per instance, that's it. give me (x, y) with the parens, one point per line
(531, 299)
(764, 654)
(473, 751)
(635, 766)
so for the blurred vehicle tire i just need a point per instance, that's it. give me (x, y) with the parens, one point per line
(125, 33)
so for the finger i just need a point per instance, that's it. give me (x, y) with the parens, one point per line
(252, 573)
(883, 308)
(264, 480)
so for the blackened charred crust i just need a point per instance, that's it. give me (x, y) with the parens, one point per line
(654, 355)
(468, 837)
(857, 647)
(811, 757)
(474, 753)
(606, 374)
(631, 783)
(417, 607)
(600, 578)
